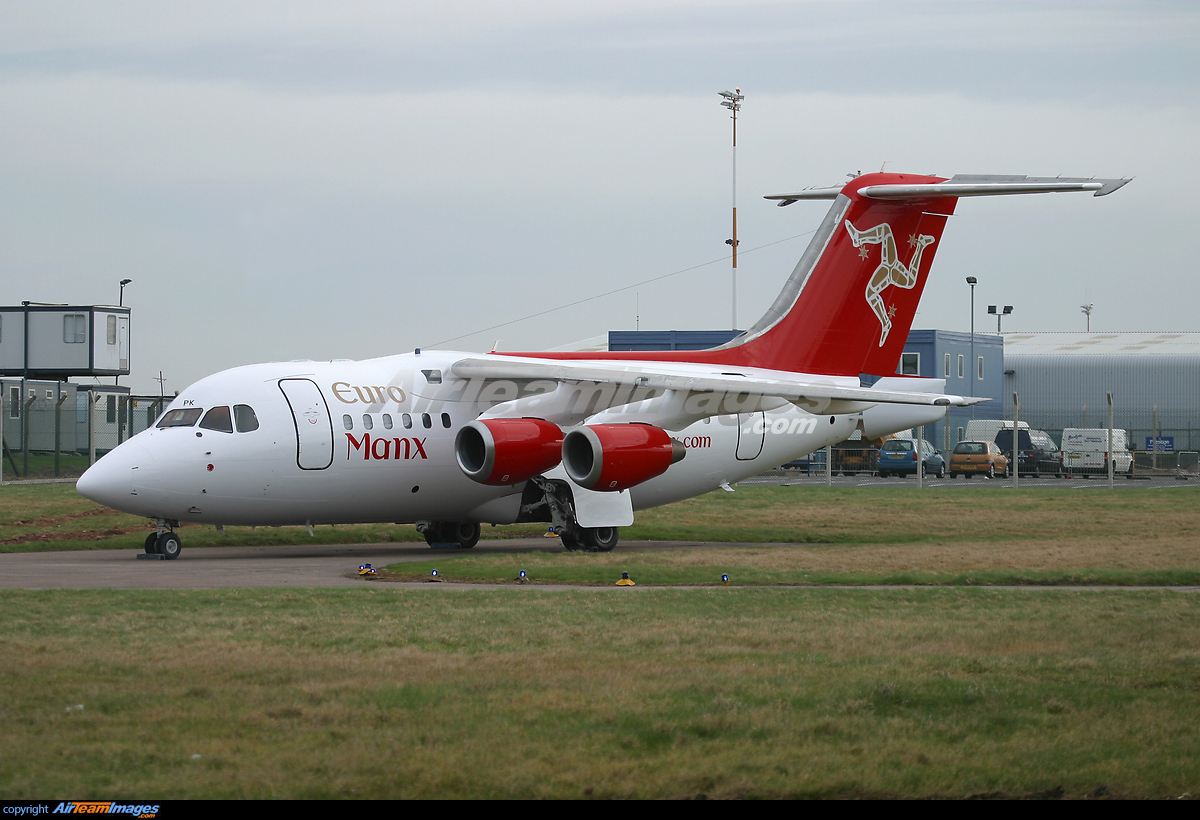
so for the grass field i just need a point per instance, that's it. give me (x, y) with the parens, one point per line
(395, 691)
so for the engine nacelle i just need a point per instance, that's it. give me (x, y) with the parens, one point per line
(614, 457)
(507, 451)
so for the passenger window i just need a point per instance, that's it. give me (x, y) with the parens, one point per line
(426, 422)
(387, 421)
(180, 418)
(244, 418)
(406, 419)
(367, 423)
(219, 419)
(347, 422)
(446, 420)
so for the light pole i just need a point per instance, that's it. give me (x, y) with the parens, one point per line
(121, 301)
(733, 101)
(1087, 311)
(999, 315)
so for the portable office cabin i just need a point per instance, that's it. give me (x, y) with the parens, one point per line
(59, 341)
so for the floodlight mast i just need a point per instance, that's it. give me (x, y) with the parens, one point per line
(733, 101)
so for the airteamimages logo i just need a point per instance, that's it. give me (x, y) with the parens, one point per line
(106, 807)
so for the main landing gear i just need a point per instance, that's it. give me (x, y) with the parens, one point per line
(591, 539)
(463, 533)
(550, 500)
(164, 542)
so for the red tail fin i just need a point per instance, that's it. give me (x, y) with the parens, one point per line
(849, 304)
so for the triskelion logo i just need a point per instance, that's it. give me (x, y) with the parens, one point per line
(890, 270)
(106, 807)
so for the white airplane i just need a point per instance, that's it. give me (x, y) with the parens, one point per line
(578, 441)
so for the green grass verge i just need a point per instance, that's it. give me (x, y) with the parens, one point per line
(797, 515)
(392, 692)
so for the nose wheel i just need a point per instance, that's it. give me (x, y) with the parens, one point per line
(166, 544)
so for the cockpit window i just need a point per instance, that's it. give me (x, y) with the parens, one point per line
(244, 417)
(219, 419)
(180, 418)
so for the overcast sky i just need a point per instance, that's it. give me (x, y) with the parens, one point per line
(286, 180)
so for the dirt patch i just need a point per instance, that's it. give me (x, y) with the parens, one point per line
(75, 535)
(55, 520)
(66, 535)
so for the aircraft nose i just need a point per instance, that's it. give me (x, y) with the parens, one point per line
(110, 480)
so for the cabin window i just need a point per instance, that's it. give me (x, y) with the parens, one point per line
(446, 420)
(406, 419)
(244, 418)
(367, 422)
(74, 328)
(180, 418)
(426, 422)
(219, 419)
(347, 422)
(387, 421)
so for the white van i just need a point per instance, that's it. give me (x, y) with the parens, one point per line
(1085, 451)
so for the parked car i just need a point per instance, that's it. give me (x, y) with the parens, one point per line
(978, 457)
(898, 457)
(1037, 452)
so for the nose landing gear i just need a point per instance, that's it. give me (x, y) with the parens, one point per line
(164, 542)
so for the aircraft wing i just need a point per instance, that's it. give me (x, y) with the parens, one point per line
(705, 395)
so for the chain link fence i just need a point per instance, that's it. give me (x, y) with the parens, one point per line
(54, 431)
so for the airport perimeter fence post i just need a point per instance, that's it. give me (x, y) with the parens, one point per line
(828, 465)
(1016, 439)
(920, 456)
(1112, 457)
(91, 427)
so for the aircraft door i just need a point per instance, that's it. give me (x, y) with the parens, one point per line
(751, 432)
(314, 427)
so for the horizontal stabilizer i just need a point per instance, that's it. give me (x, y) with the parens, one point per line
(966, 185)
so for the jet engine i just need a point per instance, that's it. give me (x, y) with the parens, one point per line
(507, 451)
(614, 457)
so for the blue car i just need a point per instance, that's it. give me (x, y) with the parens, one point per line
(898, 457)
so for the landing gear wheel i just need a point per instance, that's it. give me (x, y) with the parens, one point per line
(466, 533)
(600, 539)
(436, 534)
(570, 542)
(152, 544)
(169, 546)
